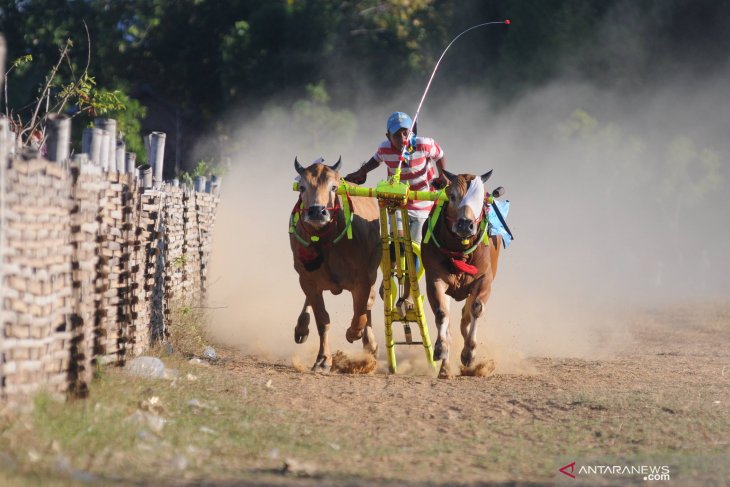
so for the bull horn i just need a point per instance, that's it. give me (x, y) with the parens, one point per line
(298, 166)
(449, 175)
(487, 175)
(336, 166)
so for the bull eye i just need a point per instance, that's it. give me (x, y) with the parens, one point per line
(334, 187)
(301, 188)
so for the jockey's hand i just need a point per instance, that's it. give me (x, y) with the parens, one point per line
(357, 177)
(439, 183)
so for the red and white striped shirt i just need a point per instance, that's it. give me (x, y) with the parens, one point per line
(417, 169)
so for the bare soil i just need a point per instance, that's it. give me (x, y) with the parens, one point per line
(665, 401)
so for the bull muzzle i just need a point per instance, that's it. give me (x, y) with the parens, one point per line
(317, 215)
(465, 228)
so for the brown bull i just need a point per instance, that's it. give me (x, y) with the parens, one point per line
(459, 263)
(327, 259)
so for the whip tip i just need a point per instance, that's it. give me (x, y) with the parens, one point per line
(507, 21)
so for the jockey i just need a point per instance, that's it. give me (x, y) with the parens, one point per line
(420, 156)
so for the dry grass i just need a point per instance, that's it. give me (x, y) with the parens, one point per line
(188, 335)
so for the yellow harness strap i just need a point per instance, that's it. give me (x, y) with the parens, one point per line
(434, 218)
(348, 214)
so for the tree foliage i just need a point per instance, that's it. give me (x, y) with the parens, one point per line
(209, 57)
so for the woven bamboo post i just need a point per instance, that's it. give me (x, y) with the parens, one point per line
(199, 183)
(145, 175)
(4, 133)
(110, 125)
(3, 50)
(86, 140)
(4, 141)
(155, 144)
(59, 137)
(91, 144)
(104, 151)
(11, 141)
(131, 163)
(215, 185)
(120, 157)
(111, 257)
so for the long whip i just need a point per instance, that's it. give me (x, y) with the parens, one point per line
(433, 73)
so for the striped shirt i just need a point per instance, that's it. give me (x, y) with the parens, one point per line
(417, 169)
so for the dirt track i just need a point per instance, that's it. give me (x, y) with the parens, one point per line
(244, 420)
(665, 401)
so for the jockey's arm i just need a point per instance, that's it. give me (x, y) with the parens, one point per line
(440, 181)
(441, 165)
(359, 176)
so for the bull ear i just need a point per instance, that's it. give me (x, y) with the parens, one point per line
(449, 175)
(298, 166)
(336, 166)
(487, 175)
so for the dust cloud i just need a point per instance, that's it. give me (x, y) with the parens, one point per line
(618, 203)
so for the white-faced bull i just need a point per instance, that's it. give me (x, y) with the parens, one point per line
(336, 246)
(461, 261)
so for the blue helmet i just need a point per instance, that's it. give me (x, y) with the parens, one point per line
(397, 121)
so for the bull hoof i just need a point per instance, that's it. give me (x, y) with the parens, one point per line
(440, 352)
(321, 365)
(445, 371)
(300, 337)
(353, 335)
(467, 357)
(301, 331)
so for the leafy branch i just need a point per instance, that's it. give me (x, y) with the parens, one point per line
(47, 89)
(82, 92)
(18, 63)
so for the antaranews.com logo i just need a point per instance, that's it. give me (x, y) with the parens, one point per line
(647, 472)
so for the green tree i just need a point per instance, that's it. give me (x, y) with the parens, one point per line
(70, 82)
(210, 57)
(128, 115)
